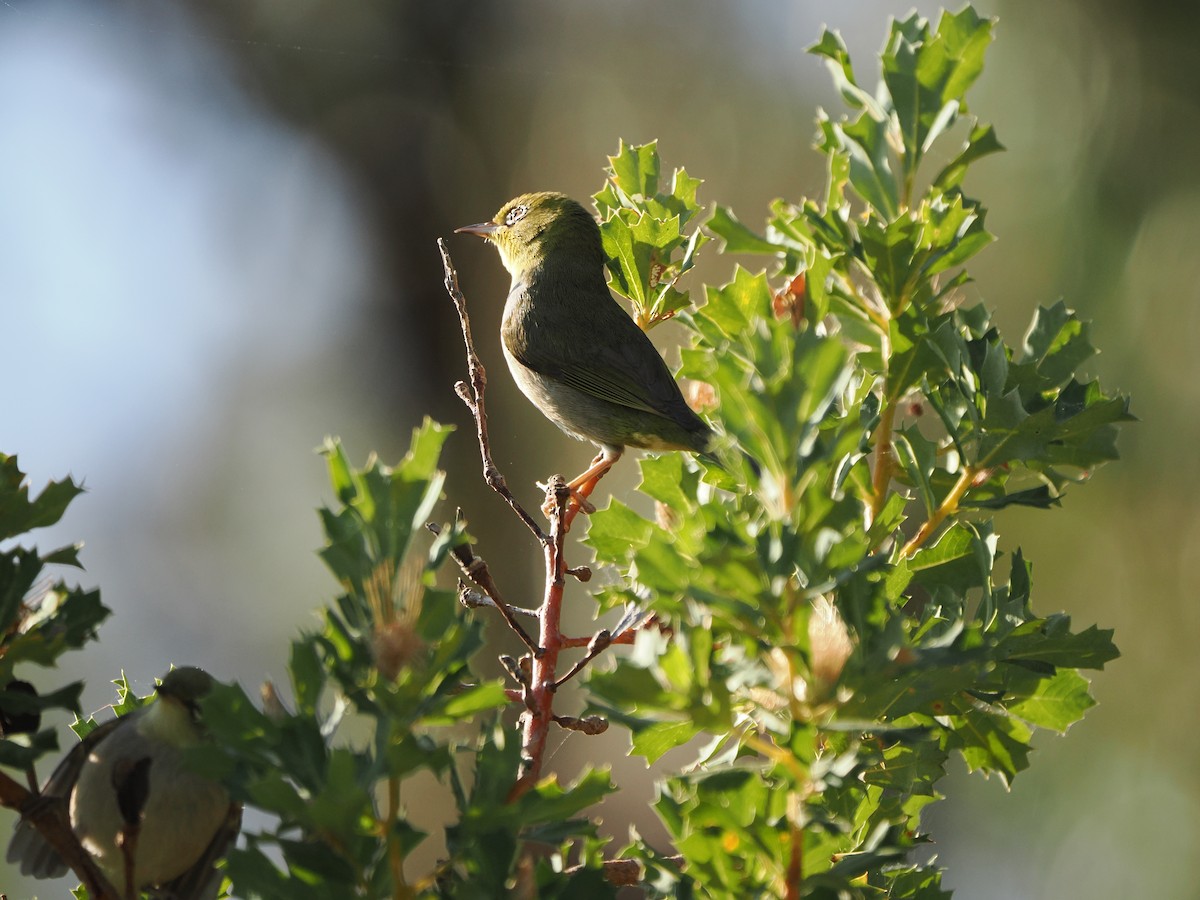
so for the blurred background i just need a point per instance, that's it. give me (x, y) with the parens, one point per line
(217, 245)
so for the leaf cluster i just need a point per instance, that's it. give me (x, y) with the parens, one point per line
(844, 619)
(643, 226)
(379, 696)
(41, 617)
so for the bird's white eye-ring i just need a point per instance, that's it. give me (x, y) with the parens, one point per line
(516, 214)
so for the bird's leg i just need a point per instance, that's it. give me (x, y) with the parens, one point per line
(582, 486)
(127, 839)
(131, 781)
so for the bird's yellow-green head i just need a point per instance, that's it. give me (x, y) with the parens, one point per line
(545, 227)
(186, 686)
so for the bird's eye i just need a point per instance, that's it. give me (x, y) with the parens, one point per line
(516, 214)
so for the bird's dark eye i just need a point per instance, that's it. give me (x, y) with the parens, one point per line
(516, 214)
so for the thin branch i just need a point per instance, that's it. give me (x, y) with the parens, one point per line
(536, 720)
(473, 599)
(600, 642)
(625, 637)
(585, 724)
(472, 395)
(50, 817)
(881, 477)
(477, 570)
(948, 507)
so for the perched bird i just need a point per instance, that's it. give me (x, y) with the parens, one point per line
(572, 350)
(146, 818)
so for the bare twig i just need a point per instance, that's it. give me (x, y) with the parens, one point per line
(472, 395)
(585, 724)
(473, 599)
(477, 570)
(600, 642)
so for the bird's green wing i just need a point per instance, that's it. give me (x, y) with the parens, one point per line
(28, 848)
(606, 356)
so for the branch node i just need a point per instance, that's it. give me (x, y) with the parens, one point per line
(584, 724)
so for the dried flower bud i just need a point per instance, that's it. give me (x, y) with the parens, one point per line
(700, 395)
(273, 707)
(829, 642)
(394, 647)
(789, 303)
(665, 517)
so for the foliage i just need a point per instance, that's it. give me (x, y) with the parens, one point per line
(378, 692)
(846, 623)
(40, 618)
(836, 615)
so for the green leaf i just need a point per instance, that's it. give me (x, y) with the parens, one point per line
(549, 802)
(635, 169)
(864, 143)
(1051, 641)
(656, 739)
(471, 702)
(1057, 703)
(19, 513)
(992, 742)
(928, 75)
(982, 142)
(736, 237)
(614, 532)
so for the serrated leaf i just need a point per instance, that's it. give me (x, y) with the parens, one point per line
(927, 75)
(616, 531)
(981, 143)
(993, 742)
(736, 237)
(18, 512)
(1058, 702)
(470, 702)
(652, 742)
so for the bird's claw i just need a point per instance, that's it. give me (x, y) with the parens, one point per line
(577, 498)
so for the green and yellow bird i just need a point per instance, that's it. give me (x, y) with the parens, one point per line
(572, 350)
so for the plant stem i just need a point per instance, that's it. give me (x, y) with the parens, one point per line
(881, 475)
(539, 699)
(400, 889)
(948, 507)
(795, 870)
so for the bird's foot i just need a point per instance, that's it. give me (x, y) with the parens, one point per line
(577, 498)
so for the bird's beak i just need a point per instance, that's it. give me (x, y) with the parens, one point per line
(484, 229)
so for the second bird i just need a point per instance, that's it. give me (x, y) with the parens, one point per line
(572, 350)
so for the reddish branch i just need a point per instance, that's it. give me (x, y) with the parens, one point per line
(539, 695)
(537, 676)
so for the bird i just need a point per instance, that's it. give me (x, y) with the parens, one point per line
(571, 348)
(144, 816)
